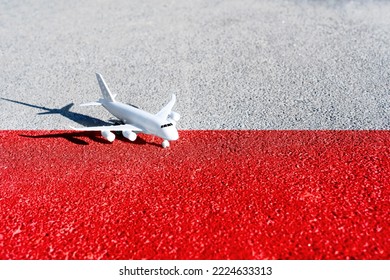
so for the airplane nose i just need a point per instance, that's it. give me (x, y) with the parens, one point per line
(173, 135)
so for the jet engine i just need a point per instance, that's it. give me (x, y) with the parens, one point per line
(174, 116)
(109, 136)
(129, 135)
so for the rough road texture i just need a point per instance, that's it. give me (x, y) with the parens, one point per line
(237, 195)
(252, 67)
(233, 64)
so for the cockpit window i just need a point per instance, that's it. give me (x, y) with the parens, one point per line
(166, 125)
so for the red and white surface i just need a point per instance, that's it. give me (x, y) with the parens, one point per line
(300, 171)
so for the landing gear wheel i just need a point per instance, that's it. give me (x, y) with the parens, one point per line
(165, 144)
(132, 137)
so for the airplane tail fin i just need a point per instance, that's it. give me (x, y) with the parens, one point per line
(107, 95)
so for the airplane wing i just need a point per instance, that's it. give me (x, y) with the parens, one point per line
(164, 112)
(121, 127)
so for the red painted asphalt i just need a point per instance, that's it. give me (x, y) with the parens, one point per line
(211, 195)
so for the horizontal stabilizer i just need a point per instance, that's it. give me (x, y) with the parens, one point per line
(91, 104)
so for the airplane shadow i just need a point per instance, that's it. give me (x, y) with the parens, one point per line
(84, 120)
(81, 119)
(79, 138)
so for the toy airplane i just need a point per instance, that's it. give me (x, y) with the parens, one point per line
(135, 120)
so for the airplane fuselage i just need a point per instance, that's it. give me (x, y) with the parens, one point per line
(135, 120)
(149, 123)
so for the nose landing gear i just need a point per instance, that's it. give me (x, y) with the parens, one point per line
(165, 144)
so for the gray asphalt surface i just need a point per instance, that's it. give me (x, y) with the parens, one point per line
(232, 64)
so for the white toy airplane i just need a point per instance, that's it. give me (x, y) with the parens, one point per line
(162, 124)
